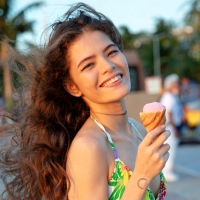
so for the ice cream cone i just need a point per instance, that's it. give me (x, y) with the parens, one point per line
(151, 120)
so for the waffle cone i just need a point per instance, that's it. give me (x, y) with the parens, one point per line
(153, 119)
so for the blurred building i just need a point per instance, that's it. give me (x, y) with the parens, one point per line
(136, 70)
(136, 99)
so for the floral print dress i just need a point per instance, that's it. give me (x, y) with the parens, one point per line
(122, 174)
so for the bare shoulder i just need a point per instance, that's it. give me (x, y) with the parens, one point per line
(88, 139)
(139, 127)
(87, 164)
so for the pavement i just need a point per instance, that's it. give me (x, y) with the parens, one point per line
(187, 166)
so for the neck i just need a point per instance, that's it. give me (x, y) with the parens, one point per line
(113, 117)
(110, 111)
(113, 114)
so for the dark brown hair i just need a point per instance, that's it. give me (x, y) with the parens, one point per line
(34, 167)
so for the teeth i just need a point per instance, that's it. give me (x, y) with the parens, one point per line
(116, 78)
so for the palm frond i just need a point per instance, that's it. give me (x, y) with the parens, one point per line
(25, 27)
(24, 10)
(5, 5)
(184, 4)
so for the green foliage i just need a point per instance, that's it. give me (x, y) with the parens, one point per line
(179, 55)
(18, 24)
(146, 53)
(193, 15)
(128, 37)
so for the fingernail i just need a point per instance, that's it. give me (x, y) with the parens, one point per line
(162, 126)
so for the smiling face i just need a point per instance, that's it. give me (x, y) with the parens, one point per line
(98, 69)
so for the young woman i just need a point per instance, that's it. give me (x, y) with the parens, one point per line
(77, 141)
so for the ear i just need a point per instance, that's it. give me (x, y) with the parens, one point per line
(72, 89)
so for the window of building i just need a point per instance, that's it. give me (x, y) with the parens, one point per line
(133, 77)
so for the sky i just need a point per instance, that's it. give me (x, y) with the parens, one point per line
(138, 15)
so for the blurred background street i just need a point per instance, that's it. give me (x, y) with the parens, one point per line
(187, 166)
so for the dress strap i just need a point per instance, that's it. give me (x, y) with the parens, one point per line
(108, 136)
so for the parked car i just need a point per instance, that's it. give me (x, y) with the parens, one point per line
(190, 132)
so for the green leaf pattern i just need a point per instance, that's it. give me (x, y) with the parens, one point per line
(120, 180)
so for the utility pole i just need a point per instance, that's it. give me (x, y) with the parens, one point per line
(156, 55)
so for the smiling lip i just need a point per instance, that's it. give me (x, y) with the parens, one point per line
(112, 81)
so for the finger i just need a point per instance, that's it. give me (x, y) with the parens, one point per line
(160, 139)
(164, 149)
(152, 135)
(166, 157)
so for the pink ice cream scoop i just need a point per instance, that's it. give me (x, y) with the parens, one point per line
(153, 107)
(153, 115)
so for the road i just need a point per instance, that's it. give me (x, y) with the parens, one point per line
(187, 166)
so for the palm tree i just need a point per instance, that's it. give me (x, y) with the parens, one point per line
(11, 28)
(193, 16)
(193, 19)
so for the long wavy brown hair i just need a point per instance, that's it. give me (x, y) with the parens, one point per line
(34, 166)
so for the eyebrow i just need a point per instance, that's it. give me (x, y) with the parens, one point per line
(89, 57)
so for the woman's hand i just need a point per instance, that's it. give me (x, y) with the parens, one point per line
(152, 155)
(151, 158)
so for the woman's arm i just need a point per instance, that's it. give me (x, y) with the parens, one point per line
(155, 183)
(88, 169)
(151, 158)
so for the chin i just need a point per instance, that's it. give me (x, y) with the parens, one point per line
(121, 93)
(125, 92)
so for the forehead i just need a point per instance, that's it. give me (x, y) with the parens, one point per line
(89, 39)
(90, 42)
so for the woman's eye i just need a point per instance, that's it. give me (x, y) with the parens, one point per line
(112, 52)
(88, 65)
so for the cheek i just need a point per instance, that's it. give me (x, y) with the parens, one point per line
(86, 82)
(126, 69)
(124, 63)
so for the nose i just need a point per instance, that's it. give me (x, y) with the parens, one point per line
(106, 65)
